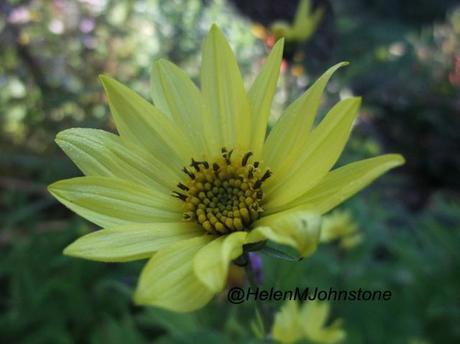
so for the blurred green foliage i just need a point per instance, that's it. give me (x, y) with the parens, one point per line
(410, 81)
(405, 64)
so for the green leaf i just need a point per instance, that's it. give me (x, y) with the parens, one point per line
(257, 326)
(273, 252)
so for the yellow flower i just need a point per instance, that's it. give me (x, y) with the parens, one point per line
(293, 323)
(339, 226)
(191, 179)
(303, 27)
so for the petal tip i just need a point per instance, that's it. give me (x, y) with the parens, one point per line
(103, 78)
(58, 139)
(159, 62)
(55, 187)
(106, 81)
(69, 250)
(138, 300)
(52, 188)
(216, 33)
(354, 101)
(399, 159)
(332, 69)
(214, 28)
(60, 136)
(279, 42)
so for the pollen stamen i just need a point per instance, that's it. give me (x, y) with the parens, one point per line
(226, 198)
(245, 159)
(266, 175)
(195, 165)
(187, 172)
(179, 195)
(183, 187)
(251, 172)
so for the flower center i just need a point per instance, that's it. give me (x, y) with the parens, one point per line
(223, 196)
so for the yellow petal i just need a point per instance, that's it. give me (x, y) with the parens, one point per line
(324, 147)
(289, 136)
(337, 225)
(211, 262)
(332, 334)
(286, 327)
(351, 241)
(293, 323)
(261, 96)
(224, 93)
(302, 13)
(342, 183)
(142, 124)
(306, 22)
(100, 153)
(109, 202)
(178, 97)
(313, 316)
(168, 280)
(300, 230)
(130, 242)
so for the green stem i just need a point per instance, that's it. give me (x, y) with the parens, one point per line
(260, 306)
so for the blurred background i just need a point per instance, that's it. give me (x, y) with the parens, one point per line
(405, 228)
